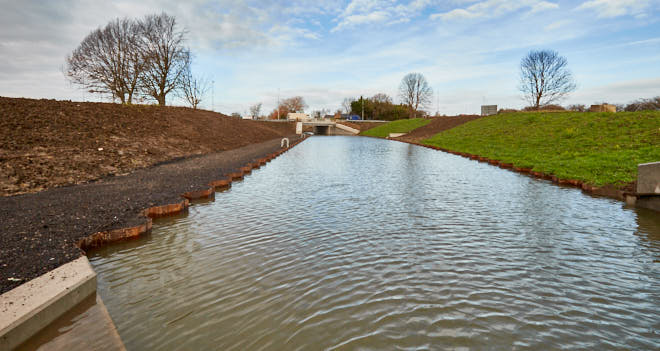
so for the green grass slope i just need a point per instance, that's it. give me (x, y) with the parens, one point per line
(398, 126)
(597, 148)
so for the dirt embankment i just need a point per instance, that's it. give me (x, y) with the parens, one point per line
(49, 143)
(436, 126)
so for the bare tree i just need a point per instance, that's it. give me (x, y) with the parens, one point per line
(165, 54)
(294, 104)
(346, 105)
(382, 98)
(108, 60)
(380, 103)
(415, 92)
(652, 104)
(545, 77)
(577, 108)
(255, 110)
(193, 88)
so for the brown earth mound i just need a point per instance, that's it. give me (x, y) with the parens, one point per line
(436, 126)
(49, 143)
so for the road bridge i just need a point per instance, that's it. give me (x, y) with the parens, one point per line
(326, 127)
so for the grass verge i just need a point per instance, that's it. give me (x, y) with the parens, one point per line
(596, 148)
(398, 126)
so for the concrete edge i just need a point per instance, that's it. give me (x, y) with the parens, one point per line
(114, 333)
(32, 306)
(347, 128)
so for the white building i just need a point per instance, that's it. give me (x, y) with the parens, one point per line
(295, 116)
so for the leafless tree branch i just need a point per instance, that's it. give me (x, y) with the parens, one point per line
(415, 92)
(193, 88)
(545, 78)
(167, 58)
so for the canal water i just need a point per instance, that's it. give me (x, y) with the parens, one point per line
(360, 243)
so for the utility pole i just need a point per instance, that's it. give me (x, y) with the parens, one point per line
(278, 104)
(213, 95)
(362, 100)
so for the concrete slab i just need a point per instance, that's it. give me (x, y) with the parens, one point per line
(396, 135)
(651, 202)
(30, 307)
(347, 128)
(87, 326)
(648, 178)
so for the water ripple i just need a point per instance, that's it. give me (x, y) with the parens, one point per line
(354, 243)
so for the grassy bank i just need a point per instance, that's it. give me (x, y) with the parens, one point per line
(399, 126)
(597, 148)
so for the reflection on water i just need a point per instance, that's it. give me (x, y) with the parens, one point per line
(359, 243)
(87, 326)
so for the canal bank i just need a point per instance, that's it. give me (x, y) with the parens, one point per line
(633, 194)
(358, 243)
(153, 192)
(601, 153)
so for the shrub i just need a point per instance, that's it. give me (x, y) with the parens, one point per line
(545, 108)
(507, 110)
(578, 108)
(652, 104)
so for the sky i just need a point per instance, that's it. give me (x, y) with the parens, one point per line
(325, 51)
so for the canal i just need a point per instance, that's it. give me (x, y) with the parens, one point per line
(361, 243)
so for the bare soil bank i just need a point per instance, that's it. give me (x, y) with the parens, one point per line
(436, 126)
(49, 143)
(39, 231)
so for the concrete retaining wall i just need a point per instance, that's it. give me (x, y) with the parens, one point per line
(347, 128)
(30, 307)
(648, 179)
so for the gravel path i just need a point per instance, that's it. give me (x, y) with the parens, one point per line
(39, 231)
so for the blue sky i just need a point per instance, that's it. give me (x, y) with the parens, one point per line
(327, 50)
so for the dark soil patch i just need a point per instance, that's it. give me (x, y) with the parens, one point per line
(50, 143)
(436, 126)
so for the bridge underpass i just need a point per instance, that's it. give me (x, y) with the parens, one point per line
(328, 128)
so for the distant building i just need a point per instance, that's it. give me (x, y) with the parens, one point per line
(487, 110)
(602, 108)
(296, 116)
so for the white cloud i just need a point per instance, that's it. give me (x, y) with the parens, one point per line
(558, 24)
(359, 12)
(252, 48)
(495, 8)
(616, 8)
